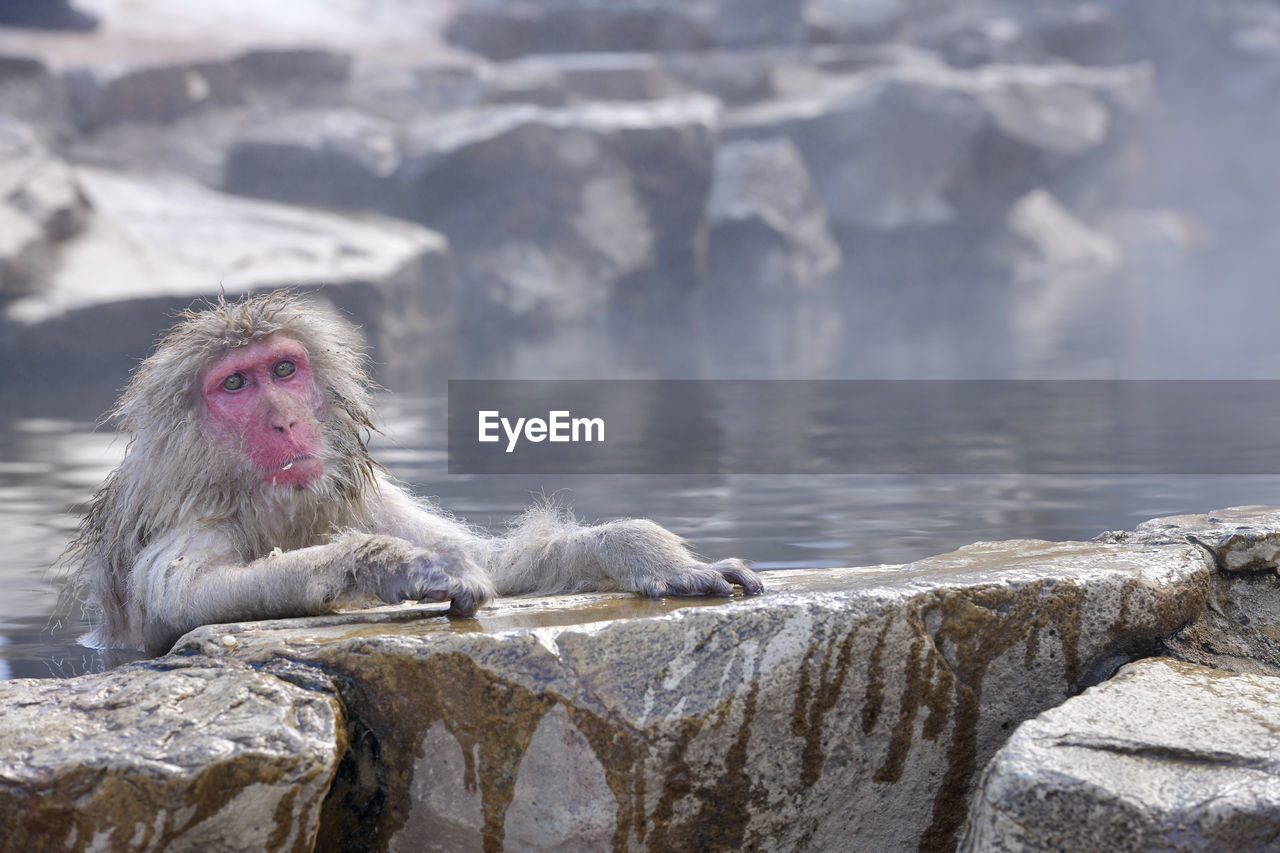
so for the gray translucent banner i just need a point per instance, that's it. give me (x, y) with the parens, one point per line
(864, 427)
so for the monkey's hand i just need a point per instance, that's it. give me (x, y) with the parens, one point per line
(430, 576)
(716, 578)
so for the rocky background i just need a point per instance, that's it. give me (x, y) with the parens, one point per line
(844, 188)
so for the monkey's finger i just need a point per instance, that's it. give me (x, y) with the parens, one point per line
(465, 598)
(735, 571)
(653, 588)
(463, 606)
(698, 581)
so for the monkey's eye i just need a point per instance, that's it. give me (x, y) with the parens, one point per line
(234, 382)
(284, 368)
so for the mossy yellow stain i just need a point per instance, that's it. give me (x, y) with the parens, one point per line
(724, 802)
(874, 701)
(384, 691)
(950, 636)
(935, 647)
(814, 701)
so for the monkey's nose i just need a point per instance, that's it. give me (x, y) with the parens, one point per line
(282, 421)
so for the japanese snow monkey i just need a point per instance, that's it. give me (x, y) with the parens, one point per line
(247, 492)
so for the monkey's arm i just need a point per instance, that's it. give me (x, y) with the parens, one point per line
(198, 579)
(548, 552)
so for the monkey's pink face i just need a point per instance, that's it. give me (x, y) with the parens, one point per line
(262, 399)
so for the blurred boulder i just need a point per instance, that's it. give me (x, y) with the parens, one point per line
(1088, 33)
(1066, 128)
(41, 205)
(108, 94)
(1049, 240)
(768, 232)
(194, 145)
(333, 157)
(286, 78)
(984, 32)
(396, 90)
(557, 214)
(750, 75)
(907, 146)
(744, 23)
(157, 242)
(32, 92)
(523, 82)
(852, 58)
(1044, 112)
(504, 30)
(556, 80)
(852, 20)
(736, 77)
(23, 260)
(293, 67)
(800, 74)
(884, 148)
(186, 117)
(971, 35)
(1064, 302)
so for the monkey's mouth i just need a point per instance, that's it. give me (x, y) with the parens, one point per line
(296, 472)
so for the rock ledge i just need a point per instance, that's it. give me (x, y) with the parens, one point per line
(598, 721)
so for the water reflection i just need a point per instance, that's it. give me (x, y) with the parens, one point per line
(47, 466)
(50, 465)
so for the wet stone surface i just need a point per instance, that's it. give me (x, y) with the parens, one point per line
(1241, 539)
(780, 721)
(1239, 628)
(176, 755)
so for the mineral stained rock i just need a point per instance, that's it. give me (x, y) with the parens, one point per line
(1165, 756)
(597, 721)
(782, 722)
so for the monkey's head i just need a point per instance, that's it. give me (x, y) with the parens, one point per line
(250, 416)
(265, 389)
(262, 399)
